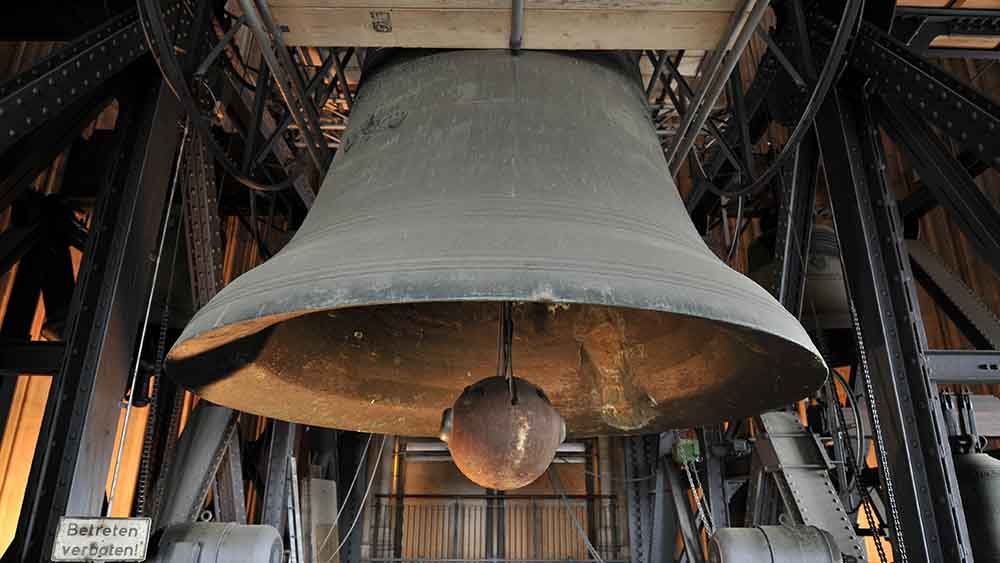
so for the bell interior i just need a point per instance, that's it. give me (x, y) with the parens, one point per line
(395, 368)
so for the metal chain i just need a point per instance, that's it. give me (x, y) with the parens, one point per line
(873, 526)
(702, 514)
(149, 436)
(880, 450)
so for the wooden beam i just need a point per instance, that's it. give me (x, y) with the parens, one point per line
(489, 28)
(965, 42)
(588, 5)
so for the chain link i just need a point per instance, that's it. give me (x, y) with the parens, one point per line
(873, 525)
(883, 457)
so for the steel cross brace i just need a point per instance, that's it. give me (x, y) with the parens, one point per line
(945, 177)
(289, 80)
(966, 309)
(901, 76)
(78, 69)
(918, 27)
(915, 458)
(754, 103)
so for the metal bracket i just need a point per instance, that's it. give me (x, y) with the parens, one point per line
(800, 467)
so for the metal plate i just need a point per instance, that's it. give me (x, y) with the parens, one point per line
(101, 539)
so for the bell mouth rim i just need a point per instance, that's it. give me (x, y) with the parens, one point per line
(796, 373)
(187, 345)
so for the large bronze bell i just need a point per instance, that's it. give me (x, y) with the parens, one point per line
(470, 178)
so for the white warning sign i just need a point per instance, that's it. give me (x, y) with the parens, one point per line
(101, 539)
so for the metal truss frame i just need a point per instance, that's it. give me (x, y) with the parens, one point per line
(917, 104)
(72, 457)
(918, 27)
(914, 100)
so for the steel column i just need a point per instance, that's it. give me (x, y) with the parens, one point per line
(795, 225)
(75, 445)
(280, 449)
(640, 463)
(918, 475)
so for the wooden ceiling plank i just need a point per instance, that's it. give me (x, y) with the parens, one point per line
(490, 29)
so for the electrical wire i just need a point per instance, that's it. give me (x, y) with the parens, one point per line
(557, 485)
(850, 19)
(145, 321)
(737, 231)
(860, 454)
(609, 477)
(350, 489)
(364, 499)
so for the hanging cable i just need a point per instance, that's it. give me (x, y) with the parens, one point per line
(143, 482)
(505, 347)
(701, 511)
(145, 321)
(364, 499)
(609, 477)
(860, 454)
(557, 485)
(737, 231)
(350, 489)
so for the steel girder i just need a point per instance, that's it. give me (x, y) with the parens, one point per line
(967, 310)
(964, 366)
(901, 76)
(917, 27)
(944, 176)
(74, 72)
